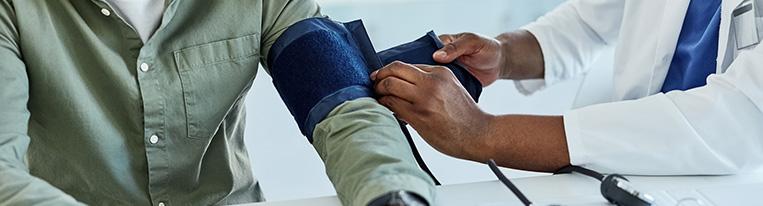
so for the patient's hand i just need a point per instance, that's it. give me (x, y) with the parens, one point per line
(431, 99)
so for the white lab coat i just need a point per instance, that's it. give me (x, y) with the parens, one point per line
(714, 129)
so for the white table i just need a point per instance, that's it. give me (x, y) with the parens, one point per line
(571, 189)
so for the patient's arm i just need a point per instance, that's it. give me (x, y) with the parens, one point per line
(365, 152)
(325, 85)
(17, 185)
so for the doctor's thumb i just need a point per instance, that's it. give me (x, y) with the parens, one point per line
(447, 54)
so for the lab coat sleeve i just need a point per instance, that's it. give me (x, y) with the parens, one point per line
(365, 153)
(711, 130)
(17, 185)
(571, 37)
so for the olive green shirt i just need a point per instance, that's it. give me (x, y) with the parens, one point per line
(90, 114)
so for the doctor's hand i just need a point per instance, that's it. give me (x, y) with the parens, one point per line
(512, 55)
(431, 100)
(482, 55)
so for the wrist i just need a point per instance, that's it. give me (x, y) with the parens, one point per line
(521, 56)
(479, 145)
(399, 198)
(505, 69)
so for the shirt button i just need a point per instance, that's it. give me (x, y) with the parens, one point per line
(105, 12)
(153, 139)
(161, 203)
(144, 67)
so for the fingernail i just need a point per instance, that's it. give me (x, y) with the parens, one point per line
(441, 54)
(373, 75)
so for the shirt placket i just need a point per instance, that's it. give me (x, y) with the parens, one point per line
(157, 156)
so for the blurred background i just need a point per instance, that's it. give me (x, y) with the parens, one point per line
(288, 166)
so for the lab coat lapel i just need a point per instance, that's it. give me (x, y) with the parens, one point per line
(669, 30)
(725, 44)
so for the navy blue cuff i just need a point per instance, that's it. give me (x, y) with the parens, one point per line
(421, 50)
(327, 104)
(318, 64)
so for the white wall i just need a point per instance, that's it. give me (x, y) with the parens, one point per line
(288, 167)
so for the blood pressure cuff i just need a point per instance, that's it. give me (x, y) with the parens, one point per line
(420, 52)
(318, 64)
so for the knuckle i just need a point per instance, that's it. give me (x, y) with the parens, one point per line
(408, 67)
(412, 70)
(442, 71)
(384, 100)
(384, 86)
(451, 47)
(470, 36)
(391, 101)
(381, 74)
(445, 37)
(391, 67)
(379, 89)
(397, 67)
(396, 63)
(389, 85)
(424, 111)
(387, 102)
(379, 85)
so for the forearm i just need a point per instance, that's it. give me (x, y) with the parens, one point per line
(366, 154)
(535, 143)
(521, 55)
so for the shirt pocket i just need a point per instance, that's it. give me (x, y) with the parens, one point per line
(214, 77)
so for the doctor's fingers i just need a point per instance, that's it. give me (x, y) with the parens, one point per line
(431, 68)
(437, 72)
(402, 109)
(458, 45)
(447, 38)
(393, 86)
(400, 70)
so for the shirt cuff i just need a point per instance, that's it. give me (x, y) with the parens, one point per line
(389, 183)
(530, 86)
(550, 76)
(575, 143)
